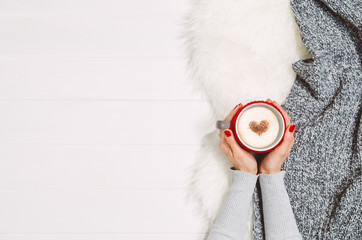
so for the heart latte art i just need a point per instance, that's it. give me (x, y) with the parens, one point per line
(258, 126)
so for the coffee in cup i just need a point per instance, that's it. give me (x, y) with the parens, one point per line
(258, 126)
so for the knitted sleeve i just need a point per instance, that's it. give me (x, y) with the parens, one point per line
(278, 215)
(233, 214)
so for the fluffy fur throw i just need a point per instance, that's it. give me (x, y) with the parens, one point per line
(238, 51)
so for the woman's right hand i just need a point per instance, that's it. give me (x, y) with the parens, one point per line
(240, 158)
(274, 160)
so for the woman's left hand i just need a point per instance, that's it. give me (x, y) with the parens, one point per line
(274, 160)
(239, 157)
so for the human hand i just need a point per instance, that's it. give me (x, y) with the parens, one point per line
(274, 160)
(239, 157)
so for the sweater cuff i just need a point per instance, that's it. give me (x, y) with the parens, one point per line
(241, 179)
(275, 179)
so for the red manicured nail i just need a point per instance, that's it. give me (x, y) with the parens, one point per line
(291, 129)
(227, 133)
(236, 105)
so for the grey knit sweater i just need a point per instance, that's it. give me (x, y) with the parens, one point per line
(230, 224)
(323, 170)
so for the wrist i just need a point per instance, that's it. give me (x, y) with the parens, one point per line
(254, 172)
(269, 171)
(243, 181)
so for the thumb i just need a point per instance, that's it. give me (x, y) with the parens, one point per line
(289, 133)
(288, 140)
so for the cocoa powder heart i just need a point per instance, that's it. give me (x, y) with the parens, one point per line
(259, 128)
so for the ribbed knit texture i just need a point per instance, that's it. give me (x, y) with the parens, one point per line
(323, 178)
(230, 224)
(279, 219)
(233, 214)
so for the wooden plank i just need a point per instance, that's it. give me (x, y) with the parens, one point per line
(98, 211)
(175, 236)
(110, 35)
(82, 7)
(95, 78)
(93, 166)
(104, 122)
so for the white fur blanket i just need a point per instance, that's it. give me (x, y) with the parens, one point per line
(238, 51)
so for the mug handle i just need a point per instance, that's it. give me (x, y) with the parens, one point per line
(222, 124)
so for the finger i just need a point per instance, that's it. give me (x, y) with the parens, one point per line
(225, 147)
(289, 136)
(285, 147)
(222, 137)
(223, 141)
(232, 113)
(285, 114)
(280, 108)
(231, 141)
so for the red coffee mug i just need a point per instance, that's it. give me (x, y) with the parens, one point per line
(232, 125)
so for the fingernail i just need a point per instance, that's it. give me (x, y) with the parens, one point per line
(227, 133)
(236, 105)
(291, 129)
